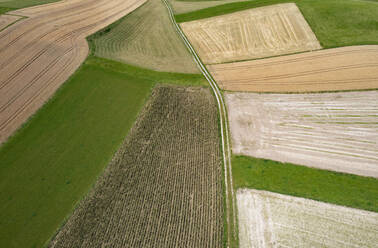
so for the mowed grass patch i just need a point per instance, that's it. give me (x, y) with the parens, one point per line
(285, 178)
(55, 158)
(334, 22)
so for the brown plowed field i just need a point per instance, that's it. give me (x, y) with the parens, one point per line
(332, 131)
(39, 53)
(346, 68)
(249, 34)
(6, 20)
(163, 188)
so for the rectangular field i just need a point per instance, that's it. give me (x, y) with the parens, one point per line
(333, 131)
(163, 188)
(273, 220)
(256, 33)
(345, 68)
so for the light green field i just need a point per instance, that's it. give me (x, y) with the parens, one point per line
(321, 185)
(52, 162)
(334, 22)
(145, 38)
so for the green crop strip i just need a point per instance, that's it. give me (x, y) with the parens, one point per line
(285, 178)
(334, 22)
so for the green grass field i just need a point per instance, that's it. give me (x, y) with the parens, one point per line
(19, 4)
(53, 160)
(334, 22)
(285, 178)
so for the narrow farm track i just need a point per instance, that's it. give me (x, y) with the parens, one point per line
(226, 151)
(39, 53)
(163, 187)
(345, 68)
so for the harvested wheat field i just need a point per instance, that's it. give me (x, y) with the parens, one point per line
(274, 220)
(141, 40)
(40, 52)
(7, 20)
(163, 188)
(256, 33)
(345, 68)
(333, 131)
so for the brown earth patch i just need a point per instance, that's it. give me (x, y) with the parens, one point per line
(255, 33)
(39, 53)
(6, 20)
(345, 68)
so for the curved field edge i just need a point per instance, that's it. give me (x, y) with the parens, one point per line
(6, 6)
(321, 185)
(57, 155)
(334, 22)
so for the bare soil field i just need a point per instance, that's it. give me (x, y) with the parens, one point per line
(39, 53)
(345, 68)
(274, 220)
(333, 131)
(6, 20)
(163, 188)
(249, 34)
(141, 40)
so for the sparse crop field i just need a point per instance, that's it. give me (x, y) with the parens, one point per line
(274, 220)
(148, 39)
(163, 188)
(333, 131)
(345, 68)
(39, 53)
(256, 33)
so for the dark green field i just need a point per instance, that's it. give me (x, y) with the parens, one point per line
(334, 22)
(19, 4)
(285, 178)
(52, 162)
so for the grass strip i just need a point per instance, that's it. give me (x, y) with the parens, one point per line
(55, 158)
(334, 22)
(301, 181)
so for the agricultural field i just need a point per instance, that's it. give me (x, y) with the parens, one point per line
(335, 22)
(18, 4)
(180, 6)
(250, 34)
(273, 220)
(163, 188)
(39, 53)
(333, 131)
(137, 39)
(345, 68)
(7, 20)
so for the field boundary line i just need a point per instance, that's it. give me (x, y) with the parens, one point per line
(223, 126)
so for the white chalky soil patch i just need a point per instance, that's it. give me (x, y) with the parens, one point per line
(332, 131)
(274, 220)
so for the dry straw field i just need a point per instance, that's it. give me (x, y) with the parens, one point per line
(274, 220)
(39, 53)
(256, 33)
(148, 39)
(163, 188)
(345, 68)
(333, 131)
(6, 20)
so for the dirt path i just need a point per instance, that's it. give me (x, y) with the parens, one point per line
(333, 131)
(345, 68)
(39, 53)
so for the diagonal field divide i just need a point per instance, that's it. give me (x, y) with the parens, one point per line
(39, 53)
(230, 196)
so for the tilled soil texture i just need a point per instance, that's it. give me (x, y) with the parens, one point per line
(333, 131)
(40, 52)
(148, 39)
(345, 68)
(6, 20)
(163, 188)
(256, 33)
(274, 220)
